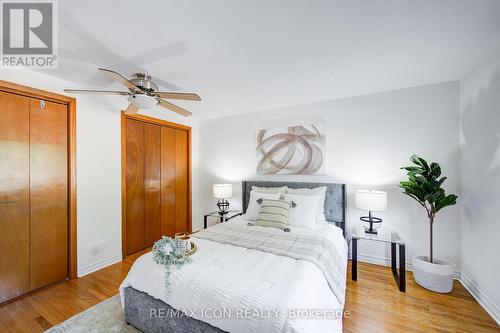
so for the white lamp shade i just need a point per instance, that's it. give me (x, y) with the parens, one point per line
(223, 191)
(374, 201)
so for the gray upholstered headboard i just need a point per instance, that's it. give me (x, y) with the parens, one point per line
(335, 200)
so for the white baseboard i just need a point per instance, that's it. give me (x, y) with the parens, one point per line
(490, 307)
(99, 265)
(383, 261)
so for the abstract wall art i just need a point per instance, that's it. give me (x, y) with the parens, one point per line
(294, 150)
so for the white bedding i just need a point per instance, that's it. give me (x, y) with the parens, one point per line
(224, 277)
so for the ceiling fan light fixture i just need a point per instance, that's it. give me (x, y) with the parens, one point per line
(142, 93)
(143, 101)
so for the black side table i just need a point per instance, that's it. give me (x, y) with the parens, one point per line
(384, 237)
(223, 217)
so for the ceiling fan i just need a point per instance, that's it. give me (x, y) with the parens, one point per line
(142, 93)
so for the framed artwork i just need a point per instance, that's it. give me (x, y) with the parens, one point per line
(294, 150)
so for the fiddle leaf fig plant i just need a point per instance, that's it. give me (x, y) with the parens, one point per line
(424, 185)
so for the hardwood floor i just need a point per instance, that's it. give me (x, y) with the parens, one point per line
(51, 305)
(376, 305)
(373, 304)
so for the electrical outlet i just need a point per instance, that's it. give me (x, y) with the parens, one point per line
(100, 248)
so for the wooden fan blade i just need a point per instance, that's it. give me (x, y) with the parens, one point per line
(173, 107)
(89, 91)
(118, 77)
(131, 109)
(173, 95)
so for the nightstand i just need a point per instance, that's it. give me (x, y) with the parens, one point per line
(223, 217)
(383, 236)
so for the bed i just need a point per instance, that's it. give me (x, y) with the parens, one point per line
(230, 287)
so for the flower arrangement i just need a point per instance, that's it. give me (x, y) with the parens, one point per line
(166, 252)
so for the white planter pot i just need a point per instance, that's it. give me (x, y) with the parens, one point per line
(437, 276)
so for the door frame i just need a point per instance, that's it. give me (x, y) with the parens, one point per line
(70, 103)
(159, 122)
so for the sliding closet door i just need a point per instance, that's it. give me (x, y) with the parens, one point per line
(14, 195)
(152, 190)
(167, 181)
(135, 186)
(48, 193)
(181, 180)
(156, 178)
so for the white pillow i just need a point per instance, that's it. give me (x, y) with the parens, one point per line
(303, 211)
(321, 191)
(260, 189)
(253, 208)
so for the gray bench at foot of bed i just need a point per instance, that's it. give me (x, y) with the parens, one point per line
(151, 315)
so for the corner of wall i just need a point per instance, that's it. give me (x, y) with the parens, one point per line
(479, 130)
(487, 304)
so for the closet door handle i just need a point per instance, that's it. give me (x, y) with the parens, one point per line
(5, 203)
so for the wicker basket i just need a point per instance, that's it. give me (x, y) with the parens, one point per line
(193, 249)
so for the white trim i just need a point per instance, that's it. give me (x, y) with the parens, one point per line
(99, 265)
(381, 261)
(384, 261)
(483, 300)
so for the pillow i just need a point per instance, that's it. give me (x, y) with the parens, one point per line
(273, 213)
(303, 211)
(321, 191)
(260, 189)
(253, 208)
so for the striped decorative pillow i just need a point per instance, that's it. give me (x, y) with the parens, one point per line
(273, 213)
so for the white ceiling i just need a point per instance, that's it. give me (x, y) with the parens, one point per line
(244, 56)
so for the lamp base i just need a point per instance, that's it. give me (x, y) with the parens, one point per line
(370, 231)
(223, 206)
(370, 219)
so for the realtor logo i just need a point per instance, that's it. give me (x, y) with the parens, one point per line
(29, 33)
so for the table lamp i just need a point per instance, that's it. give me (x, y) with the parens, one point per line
(223, 192)
(372, 201)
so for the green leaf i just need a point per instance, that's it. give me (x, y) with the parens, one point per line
(429, 198)
(449, 200)
(412, 169)
(435, 170)
(415, 191)
(420, 162)
(442, 180)
(415, 159)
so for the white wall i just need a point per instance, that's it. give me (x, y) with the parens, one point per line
(480, 182)
(98, 145)
(368, 139)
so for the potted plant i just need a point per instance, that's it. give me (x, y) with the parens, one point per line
(424, 185)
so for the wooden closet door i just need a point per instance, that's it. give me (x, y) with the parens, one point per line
(135, 186)
(48, 193)
(167, 181)
(181, 148)
(152, 189)
(14, 195)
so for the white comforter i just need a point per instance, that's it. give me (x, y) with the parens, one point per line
(265, 292)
